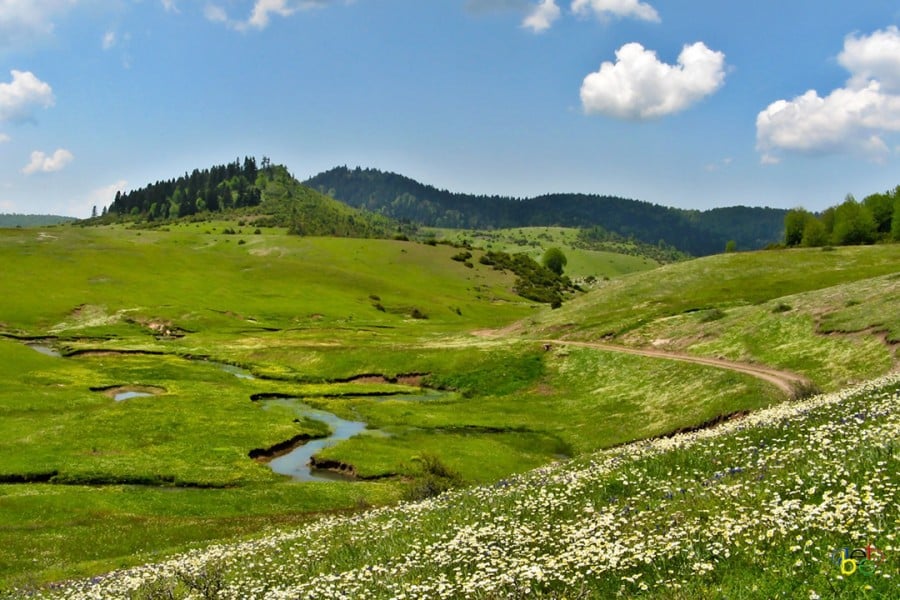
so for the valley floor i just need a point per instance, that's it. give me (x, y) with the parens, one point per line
(772, 505)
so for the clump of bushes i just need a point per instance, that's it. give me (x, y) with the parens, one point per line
(436, 478)
(713, 314)
(534, 281)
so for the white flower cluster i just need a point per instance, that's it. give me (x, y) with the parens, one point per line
(773, 493)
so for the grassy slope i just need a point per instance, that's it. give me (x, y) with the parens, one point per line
(753, 509)
(535, 240)
(768, 307)
(301, 310)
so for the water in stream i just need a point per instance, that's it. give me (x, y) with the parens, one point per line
(296, 462)
(45, 350)
(129, 395)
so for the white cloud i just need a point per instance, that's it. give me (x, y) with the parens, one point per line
(42, 163)
(4, 138)
(169, 6)
(616, 8)
(22, 95)
(853, 118)
(22, 19)
(105, 195)
(262, 12)
(259, 18)
(109, 40)
(874, 57)
(639, 86)
(542, 16)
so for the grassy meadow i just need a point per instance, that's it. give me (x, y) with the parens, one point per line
(829, 315)
(534, 241)
(443, 362)
(762, 507)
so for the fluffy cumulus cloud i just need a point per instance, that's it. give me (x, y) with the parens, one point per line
(542, 16)
(853, 118)
(42, 163)
(616, 8)
(639, 86)
(20, 97)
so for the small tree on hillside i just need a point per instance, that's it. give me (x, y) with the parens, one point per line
(853, 224)
(555, 260)
(794, 223)
(814, 234)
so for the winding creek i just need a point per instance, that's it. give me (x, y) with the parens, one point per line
(296, 462)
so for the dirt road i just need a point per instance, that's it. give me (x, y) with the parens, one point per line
(789, 383)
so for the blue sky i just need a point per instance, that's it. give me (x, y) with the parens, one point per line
(689, 103)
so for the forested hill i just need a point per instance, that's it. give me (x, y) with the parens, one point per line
(696, 232)
(268, 193)
(16, 220)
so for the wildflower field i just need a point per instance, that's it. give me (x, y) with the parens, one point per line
(772, 505)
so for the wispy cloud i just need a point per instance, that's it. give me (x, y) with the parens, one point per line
(262, 12)
(109, 40)
(633, 9)
(21, 20)
(542, 16)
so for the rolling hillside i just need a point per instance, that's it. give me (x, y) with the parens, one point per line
(695, 232)
(151, 382)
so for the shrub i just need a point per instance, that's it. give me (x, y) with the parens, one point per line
(436, 479)
(713, 314)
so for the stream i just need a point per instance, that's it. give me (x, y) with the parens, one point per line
(295, 463)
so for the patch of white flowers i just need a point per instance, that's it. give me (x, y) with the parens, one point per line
(769, 496)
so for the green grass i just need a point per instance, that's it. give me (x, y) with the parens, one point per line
(790, 309)
(534, 241)
(151, 476)
(753, 509)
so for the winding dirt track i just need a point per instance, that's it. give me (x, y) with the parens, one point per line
(789, 383)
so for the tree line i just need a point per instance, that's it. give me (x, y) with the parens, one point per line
(219, 188)
(696, 232)
(875, 219)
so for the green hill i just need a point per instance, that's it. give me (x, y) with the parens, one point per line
(16, 220)
(267, 195)
(695, 232)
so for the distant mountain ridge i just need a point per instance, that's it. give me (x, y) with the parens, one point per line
(17, 220)
(696, 232)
